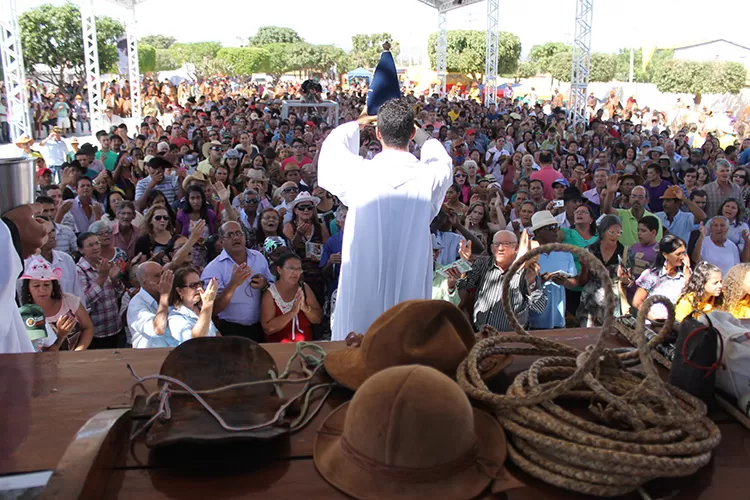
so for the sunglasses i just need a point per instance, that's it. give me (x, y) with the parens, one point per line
(460, 175)
(291, 190)
(161, 217)
(551, 227)
(217, 148)
(305, 208)
(251, 200)
(194, 286)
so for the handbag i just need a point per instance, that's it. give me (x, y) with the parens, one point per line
(695, 357)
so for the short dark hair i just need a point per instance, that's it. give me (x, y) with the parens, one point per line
(532, 181)
(126, 204)
(26, 297)
(297, 140)
(83, 237)
(101, 133)
(283, 259)
(159, 162)
(654, 166)
(690, 170)
(651, 222)
(545, 157)
(396, 123)
(44, 200)
(697, 192)
(83, 178)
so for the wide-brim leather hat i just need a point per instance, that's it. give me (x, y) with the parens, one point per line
(410, 432)
(208, 363)
(426, 332)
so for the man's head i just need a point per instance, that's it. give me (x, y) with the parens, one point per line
(232, 237)
(51, 242)
(648, 227)
(250, 201)
(292, 173)
(157, 164)
(639, 197)
(627, 184)
(103, 138)
(545, 158)
(546, 228)
(309, 174)
(125, 213)
(84, 188)
(148, 275)
(600, 178)
(722, 169)
(536, 188)
(700, 198)
(396, 124)
(49, 208)
(504, 248)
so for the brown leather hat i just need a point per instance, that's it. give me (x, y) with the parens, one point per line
(426, 332)
(409, 433)
(208, 363)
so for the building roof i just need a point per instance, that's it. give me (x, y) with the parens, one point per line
(707, 42)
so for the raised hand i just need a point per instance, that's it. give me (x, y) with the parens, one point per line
(104, 267)
(98, 211)
(464, 250)
(196, 233)
(209, 294)
(613, 183)
(221, 191)
(299, 301)
(65, 325)
(165, 282)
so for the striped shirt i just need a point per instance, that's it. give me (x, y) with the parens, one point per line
(487, 277)
(170, 186)
(66, 239)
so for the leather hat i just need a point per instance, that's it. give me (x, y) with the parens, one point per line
(209, 363)
(426, 332)
(409, 433)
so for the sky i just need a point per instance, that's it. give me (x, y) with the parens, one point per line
(664, 23)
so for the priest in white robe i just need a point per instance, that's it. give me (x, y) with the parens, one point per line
(387, 251)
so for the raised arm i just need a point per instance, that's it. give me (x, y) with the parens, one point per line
(613, 184)
(339, 160)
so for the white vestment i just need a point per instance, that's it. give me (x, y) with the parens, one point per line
(387, 251)
(13, 336)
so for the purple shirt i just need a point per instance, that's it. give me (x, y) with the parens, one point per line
(655, 203)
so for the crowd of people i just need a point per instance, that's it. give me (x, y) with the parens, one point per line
(209, 218)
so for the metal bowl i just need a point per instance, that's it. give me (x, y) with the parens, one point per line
(17, 182)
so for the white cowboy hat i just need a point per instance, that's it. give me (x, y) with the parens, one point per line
(302, 197)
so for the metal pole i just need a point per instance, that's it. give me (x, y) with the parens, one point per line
(15, 78)
(579, 79)
(91, 60)
(490, 76)
(134, 74)
(442, 50)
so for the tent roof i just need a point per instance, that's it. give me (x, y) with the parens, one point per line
(360, 73)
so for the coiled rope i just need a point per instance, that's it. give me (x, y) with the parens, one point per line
(311, 364)
(638, 428)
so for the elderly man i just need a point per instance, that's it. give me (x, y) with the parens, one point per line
(487, 275)
(628, 217)
(720, 251)
(241, 275)
(720, 190)
(149, 308)
(677, 222)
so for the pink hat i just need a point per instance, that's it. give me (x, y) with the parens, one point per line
(37, 268)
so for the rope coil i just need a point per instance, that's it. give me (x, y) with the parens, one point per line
(315, 360)
(638, 428)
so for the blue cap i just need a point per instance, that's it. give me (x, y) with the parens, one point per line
(562, 182)
(384, 85)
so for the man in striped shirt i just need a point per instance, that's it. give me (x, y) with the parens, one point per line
(487, 275)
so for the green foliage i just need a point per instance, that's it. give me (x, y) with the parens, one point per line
(603, 67)
(242, 61)
(560, 66)
(165, 60)
(158, 41)
(700, 77)
(51, 35)
(146, 58)
(201, 55)
(366, 49)
(642, 74)
(542, 54)
(467, 52)
(526, 69)
(267, 35)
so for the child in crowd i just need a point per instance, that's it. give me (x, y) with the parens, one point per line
(701, 293)
(736, 286)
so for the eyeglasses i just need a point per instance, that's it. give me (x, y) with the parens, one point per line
(290, 190)
(194, 286)
(251, 200)
(739, 176)
(614, 233)
(233, 235)
(505, 243)
(460, 175)
(161, 217)
(104, 233)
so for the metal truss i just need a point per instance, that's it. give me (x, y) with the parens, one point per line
(91, 60)
(134, 75)
(15, 79)
(579, 79)
(490, 74)
(442, 51)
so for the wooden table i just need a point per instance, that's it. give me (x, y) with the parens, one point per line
(46, 398)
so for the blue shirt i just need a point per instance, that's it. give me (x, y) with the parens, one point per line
(244, 308)
(141, 313)
(181, 322)
(682, 225)
(744, 157)
(334, 245)
(554, 314)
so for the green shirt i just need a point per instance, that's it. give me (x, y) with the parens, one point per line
(573, 237)
(110, 159)
(630, 226)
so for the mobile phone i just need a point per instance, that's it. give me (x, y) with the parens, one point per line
(369, 155)
(559, 203)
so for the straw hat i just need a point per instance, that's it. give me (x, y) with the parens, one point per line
(37, 268)
(207, 146)
(542, 219)
(254, 173)
(427, 332)
(302, 197)
(208, 363)
(24, 139)
(410, 432)
(195, 176)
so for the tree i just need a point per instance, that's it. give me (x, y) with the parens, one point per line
(366, 49)
(642, 73)
(158, 41)
(467, 52)
(526, 69)
(201, 55)
(267, 35)
(242, 61)
(146, 58)
(560, 65)
(700, 77)
(603, 66)
(165, 60)
(542, 54)
(278, 59)
(51, 35)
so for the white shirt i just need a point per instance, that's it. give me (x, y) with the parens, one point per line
(13, 336)
(562, 219)
(387, 251)
(141, 313)
(181, 323)
(57, 152)
(722, 257)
